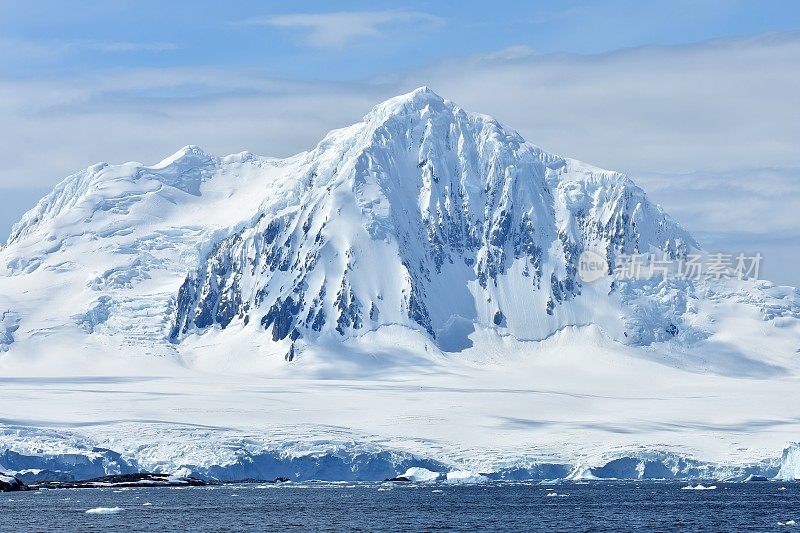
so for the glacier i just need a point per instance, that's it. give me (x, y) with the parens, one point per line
(404, 295)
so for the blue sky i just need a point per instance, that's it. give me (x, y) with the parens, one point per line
(697, 100)
(353, 40)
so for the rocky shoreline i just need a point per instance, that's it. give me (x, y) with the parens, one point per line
(9, 483)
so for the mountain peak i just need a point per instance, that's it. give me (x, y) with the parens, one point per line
(425, 92)
(421, 93)
(415, 101)
(190, 154)
(472, 228)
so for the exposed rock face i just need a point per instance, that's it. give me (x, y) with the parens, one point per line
(138, 479)
(11, 484)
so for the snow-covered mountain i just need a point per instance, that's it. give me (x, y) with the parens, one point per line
(423, 216)
(420, 239)
(426, 216)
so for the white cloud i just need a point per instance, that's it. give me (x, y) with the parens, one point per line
(711, 106)
(20, 49)
(714, 107)
(564, 14)
(510, 53)
(341, 28)
(743, 210)
(124, 46)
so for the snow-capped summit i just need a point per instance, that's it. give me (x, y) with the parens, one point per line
(190, 155)
(104, 187)
(422, 216)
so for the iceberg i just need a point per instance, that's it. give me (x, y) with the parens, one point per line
(699, 486)
(105, 510)
(465, 477)
(790, 463)
(420, 475)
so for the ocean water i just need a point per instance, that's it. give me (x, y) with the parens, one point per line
(596, 506)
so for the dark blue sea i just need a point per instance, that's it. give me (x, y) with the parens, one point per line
(596, 506)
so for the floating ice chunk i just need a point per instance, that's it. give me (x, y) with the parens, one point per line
(699, 486)
(420, 475)
(105, 510)
(465, 476)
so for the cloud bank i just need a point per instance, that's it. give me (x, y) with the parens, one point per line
(724, 113)
(339, 29)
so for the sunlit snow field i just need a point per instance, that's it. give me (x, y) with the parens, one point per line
(556, 404)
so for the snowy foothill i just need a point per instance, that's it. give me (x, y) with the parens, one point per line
(402, 300)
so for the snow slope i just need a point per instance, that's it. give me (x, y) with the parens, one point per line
(403, 295)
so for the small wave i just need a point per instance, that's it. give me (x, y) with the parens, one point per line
(787, 523)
